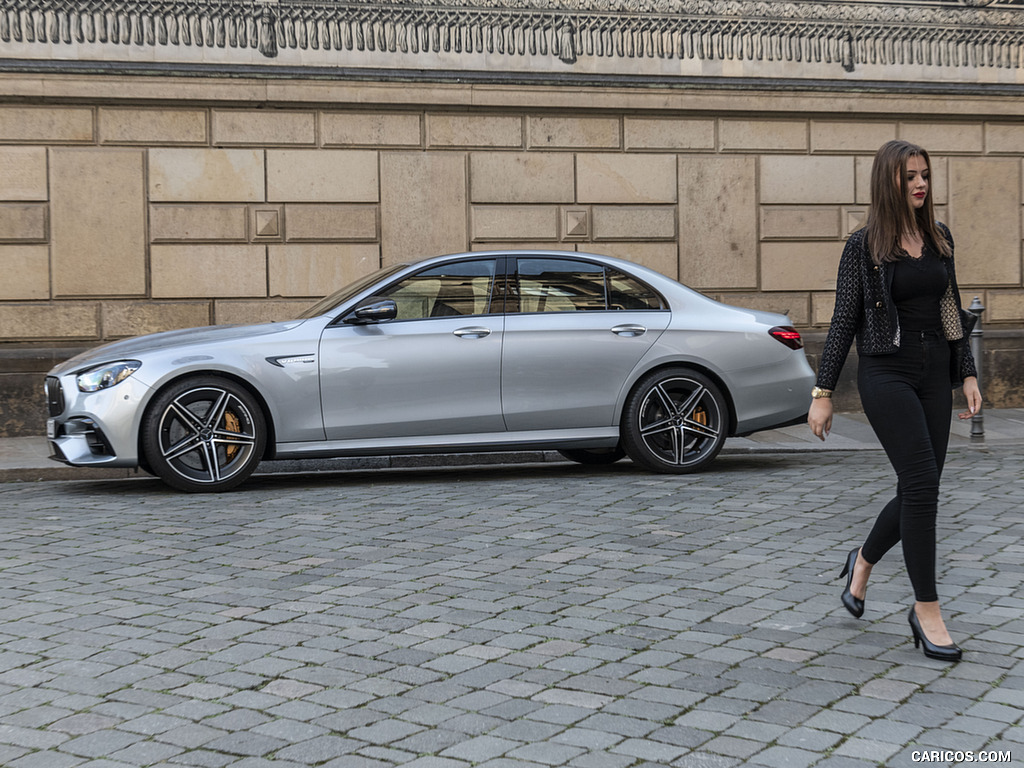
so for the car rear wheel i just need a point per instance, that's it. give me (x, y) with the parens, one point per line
(594, 455)
(204, 434)
(675, 421)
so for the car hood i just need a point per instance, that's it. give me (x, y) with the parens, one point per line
(155, 342)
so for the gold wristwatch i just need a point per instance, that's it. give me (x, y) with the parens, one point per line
(818, 392)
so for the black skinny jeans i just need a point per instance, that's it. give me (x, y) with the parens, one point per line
(908, 399)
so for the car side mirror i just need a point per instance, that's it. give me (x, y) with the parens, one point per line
(375, 312)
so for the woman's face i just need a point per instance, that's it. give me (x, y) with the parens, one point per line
(916, 182)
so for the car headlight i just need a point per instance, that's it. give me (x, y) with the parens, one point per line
(107, 375)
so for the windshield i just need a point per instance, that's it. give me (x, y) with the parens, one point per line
(350, 291)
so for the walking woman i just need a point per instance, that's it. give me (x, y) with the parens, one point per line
(896, 293)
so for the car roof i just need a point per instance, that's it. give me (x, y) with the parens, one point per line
(625, 265)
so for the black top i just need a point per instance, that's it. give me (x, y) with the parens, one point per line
(917, 287)
(865, 310)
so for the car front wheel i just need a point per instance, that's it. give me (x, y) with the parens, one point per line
(204, 434)
(675, 421)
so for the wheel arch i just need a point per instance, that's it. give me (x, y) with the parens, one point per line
(694, 366)
(268, 449)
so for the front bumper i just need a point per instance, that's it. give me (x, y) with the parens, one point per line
(94, 429)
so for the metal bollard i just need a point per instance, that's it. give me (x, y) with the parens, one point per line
(978, 419)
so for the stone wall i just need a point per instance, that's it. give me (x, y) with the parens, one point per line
(130, 205)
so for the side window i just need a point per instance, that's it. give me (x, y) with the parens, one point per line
(560, 285)
(567, 285)
(462, 288)
(625, 292)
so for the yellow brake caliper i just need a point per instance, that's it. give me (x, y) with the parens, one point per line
(700, 415)
(231, 424)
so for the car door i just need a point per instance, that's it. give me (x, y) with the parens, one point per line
(433, 370)
(574, 331)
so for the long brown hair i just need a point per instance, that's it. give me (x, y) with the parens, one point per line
(891, 214)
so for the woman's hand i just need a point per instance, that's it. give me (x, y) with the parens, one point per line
(973, 395)
(820, 416)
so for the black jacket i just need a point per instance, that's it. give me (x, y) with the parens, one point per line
(864, 309)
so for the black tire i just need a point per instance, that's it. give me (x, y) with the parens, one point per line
(675, 421)
(594, 456)
(203, 434)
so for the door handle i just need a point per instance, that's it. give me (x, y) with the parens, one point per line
(629, 330)
(475, 332)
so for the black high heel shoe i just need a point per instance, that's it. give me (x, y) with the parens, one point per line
(931, 650)
(853, 604)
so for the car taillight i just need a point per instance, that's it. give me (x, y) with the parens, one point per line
(788, 335)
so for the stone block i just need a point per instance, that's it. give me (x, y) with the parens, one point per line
(135, 318)
(370, 129)
(762, 135)
(947, 138)
(22, 411)
(670, 134)
(206, 175)
(521, 177)
(822, 307)
(849, 136)
(26, 271)
(267, 223)
(862, 175)
(1000, 306)
(454, 130)
(717, 222)
(330, 222)
(208, 271)
(617, 178)
(817, 180)
(786, 222)
(170, 223)
(1004, 138)
(661, 257)
(515, 222)
(852, 218)
(794, 304)
(46, 124)
(53, 320)
(263, 127)
(152, 126)
(574, 132)
(799, 266)
(1003, 384)
(984, 216)
(576, 222)
(23, 173)
(514, 245)
(22, 221)
(416, 219)
(316, 270)
(633, 222)
(98, 222)
(940, 180)
(322, 176)
(228, 312)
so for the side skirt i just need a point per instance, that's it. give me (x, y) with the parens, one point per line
(598, 437)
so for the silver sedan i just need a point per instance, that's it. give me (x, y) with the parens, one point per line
(592, 356)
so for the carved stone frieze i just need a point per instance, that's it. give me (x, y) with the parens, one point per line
(956, 40)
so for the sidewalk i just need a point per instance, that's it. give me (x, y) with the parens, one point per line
(25, 459)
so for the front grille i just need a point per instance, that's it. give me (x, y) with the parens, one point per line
(54, 396)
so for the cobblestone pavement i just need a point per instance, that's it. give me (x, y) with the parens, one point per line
(504, 617)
